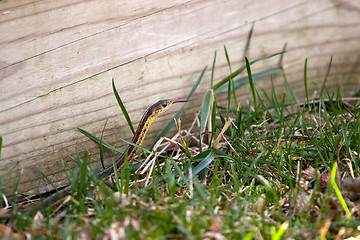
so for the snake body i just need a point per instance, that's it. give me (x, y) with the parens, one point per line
(148, 117)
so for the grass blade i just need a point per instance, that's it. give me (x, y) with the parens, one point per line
(123, 109)
(206, 158)
(16, 190)
(251, 81)
(231, 88)
(248, 40)
(244, 80)
(116, 175)
(205, 113)
(326, 76)
(7, 172)
(338, 193)
(1, 140)
(305, 81)
(98, 140)
(282, 55)
(170, 179)
(48, 180)
(213, 70)
(238, 71)
(288, 87)
(276, 235)
(101, 146)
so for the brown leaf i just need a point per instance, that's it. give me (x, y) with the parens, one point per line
(300, 201)
(324, 180)
(214, 226)
(7, 233)
(309, 173)
(4, 213)
(5, 230)
(116, 231)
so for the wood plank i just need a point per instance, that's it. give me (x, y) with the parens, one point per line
(58, 58)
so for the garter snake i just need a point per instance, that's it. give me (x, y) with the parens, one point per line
(148, 117)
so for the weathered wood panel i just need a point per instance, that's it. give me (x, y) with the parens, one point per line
(57, 59)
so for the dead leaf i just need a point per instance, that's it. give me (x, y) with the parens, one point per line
(4, 212)
(309, 173)
(7, 233)
(214, 226)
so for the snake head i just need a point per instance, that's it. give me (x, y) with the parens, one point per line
(163, 105)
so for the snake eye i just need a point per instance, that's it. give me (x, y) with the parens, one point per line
(164, 104)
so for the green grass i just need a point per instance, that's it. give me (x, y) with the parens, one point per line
(244, 178)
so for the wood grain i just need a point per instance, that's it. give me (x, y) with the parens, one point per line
(57, 59)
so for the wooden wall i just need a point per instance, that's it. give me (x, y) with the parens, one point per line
(57, 59)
